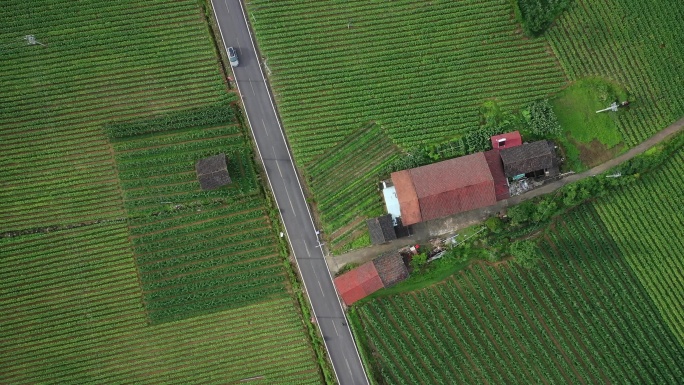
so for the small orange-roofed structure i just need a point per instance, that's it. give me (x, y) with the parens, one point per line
(358, 283)
(507, 140)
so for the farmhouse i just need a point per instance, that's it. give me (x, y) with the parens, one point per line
(381, 229)
(212, 172)
(444, 188)
(530, 159)
(383, 271)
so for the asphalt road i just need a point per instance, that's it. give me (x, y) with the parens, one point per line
(287, 190)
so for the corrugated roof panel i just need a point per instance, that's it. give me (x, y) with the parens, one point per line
(358, 283)
(512, 139)
(406, 194)
(450, 175)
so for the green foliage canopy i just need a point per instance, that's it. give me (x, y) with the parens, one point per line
(542, 120)
(537, 15)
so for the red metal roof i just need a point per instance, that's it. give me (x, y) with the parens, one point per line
(450, 174)
(408, 200)
(358, 283)
(512, 139)
(445, 188)
(496, 168)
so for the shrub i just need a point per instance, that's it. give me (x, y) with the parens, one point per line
(537, 15)
(494, 224)
(542, 120)
(417, 261)
(525, 253)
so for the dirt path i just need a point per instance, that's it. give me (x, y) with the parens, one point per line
(424, 231)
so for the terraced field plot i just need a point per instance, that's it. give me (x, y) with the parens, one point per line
(73, 314)
(647, 221)
(197, 251)
(633, 43)
(345, 180)
(100, 62)
(419, 69)
(506, 324)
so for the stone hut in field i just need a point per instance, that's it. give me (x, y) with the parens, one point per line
(212, 172)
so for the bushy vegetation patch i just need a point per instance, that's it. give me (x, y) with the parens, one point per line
(537, 15)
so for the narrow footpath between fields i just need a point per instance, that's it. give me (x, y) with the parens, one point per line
(422, 232)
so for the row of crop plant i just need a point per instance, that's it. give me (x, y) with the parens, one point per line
(197, 251)
(509, 324)
(647, 221)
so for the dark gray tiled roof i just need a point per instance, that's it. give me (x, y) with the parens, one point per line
(212, 172)
(381, 229)
(527, 158)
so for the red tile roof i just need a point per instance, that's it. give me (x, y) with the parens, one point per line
(408, 200)
(444, 188)
(496, 167)
(358, 283)
(512, 139)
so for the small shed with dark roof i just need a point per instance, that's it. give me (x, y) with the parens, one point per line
(528, 158)
(391, 269)
(212, 172)
(381, 229)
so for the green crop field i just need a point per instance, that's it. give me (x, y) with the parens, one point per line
(634, 44)
(345, 179)
(197, 251)
(647, 221)
(580, 316)
(73, 313)
(114, 266)
(419, 70)
(99, 62)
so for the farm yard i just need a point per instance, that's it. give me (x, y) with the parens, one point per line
(508, 324)
(115, 267)
(419, 70)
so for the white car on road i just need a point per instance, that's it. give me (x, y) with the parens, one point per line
(232, 57)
